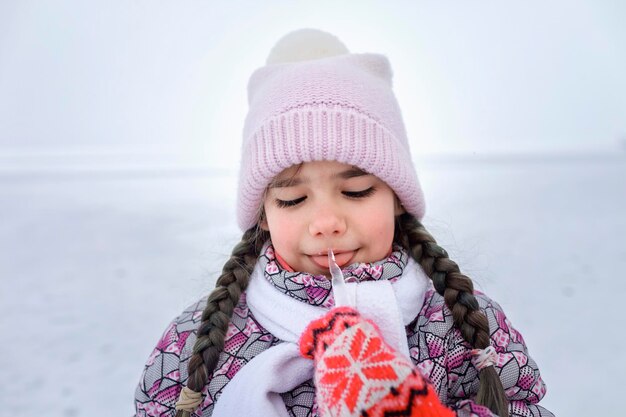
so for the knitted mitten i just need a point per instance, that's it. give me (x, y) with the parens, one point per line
(358, 375)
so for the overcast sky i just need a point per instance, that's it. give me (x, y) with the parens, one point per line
(169, 77)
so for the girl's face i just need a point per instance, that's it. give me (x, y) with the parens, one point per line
(327, 204)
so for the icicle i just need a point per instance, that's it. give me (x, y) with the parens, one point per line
(340, 291)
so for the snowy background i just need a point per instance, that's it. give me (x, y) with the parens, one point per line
(119, 142)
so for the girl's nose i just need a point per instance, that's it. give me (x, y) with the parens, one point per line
(327, 222)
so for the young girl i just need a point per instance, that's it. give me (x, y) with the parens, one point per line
(326, 167)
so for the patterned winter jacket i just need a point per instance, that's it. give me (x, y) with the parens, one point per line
(437, 349)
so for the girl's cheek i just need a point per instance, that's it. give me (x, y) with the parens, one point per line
(285, 221)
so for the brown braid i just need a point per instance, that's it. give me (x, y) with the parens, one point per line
(458, 293)
(220, 305)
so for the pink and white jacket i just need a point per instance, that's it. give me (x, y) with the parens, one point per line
(436, 347)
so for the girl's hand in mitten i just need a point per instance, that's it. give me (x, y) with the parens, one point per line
(358, 375)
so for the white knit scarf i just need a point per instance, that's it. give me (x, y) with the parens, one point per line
(255, 390)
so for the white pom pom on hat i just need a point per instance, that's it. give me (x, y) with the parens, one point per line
(304, 45)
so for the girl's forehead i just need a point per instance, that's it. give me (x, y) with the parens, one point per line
(316, 170)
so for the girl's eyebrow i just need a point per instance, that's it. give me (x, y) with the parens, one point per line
(351, 173)
(293, 181)
(286, 182)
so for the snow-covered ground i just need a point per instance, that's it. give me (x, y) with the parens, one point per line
(93, 266)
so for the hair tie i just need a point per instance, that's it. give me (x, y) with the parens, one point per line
(482, 358)
(188, 400)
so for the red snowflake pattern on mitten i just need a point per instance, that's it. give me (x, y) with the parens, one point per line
(357, 374)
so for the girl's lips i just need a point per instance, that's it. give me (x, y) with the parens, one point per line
(342, 258)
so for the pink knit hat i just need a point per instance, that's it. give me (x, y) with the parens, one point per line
(316, 101)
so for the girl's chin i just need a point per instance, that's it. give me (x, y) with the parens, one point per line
(316, 270)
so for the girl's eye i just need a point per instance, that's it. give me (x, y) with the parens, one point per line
(359, 194)
(350, 194)
(289, 203)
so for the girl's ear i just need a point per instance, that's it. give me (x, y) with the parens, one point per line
(399, 208)
(263, 219)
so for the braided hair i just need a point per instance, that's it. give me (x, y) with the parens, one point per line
(458, 292)
(219, 309)
(456, 288)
